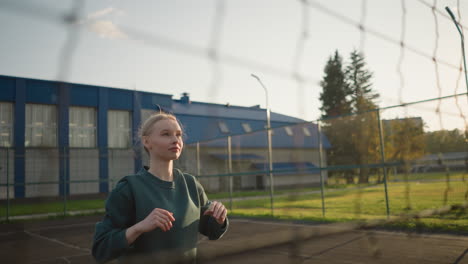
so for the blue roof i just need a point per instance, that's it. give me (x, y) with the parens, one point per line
(280, 138)
(203, 128)
(224, 111)
(201, 123)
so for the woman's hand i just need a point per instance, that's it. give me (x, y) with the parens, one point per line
(157, 218)
(218, 211)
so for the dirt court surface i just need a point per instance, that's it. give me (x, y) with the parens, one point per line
(247, 241)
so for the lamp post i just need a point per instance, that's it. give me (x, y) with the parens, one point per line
(462, 38)
(270, 155)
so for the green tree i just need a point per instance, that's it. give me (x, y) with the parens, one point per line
(335, 99)
(404, 143)
(404, 139)
(364, 128)
(359, 81)
(446, 141)
(335, 91)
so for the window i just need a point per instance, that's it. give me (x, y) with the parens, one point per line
(41, 125)
(246, 127)
(223, 127)
(288, 131)
(306, 131)
(82, 127)
(119, 129)
(6, 124)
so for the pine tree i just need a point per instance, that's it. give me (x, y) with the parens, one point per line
(358, 79)
(335, 94)
(364, 128)
(335, 98)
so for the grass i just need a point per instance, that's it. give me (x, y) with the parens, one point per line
(392, 177)
(17, 209)
(344, 203)
(340, 183)
(428, 176)
(369, 204)
(236, 194)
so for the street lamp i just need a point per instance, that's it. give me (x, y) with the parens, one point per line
(270, 156)
(462, 42)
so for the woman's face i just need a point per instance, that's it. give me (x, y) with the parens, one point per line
(165, 140)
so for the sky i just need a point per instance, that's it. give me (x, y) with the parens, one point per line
(210, 48)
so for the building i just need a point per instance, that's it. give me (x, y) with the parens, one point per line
(295, 145)
(64, 138)
(448, 161)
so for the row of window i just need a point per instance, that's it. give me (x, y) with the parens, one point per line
(41, 126)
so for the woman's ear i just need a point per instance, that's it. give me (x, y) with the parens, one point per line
(145, 142)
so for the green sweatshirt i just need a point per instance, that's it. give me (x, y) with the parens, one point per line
(133, 198)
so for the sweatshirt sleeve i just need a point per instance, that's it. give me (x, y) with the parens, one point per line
(208, 225)
(109, 237)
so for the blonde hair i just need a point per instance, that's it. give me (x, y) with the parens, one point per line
(147, 126)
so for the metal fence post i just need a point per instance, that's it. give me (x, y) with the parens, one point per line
(270, 167)
(8, 185)
(322, 182)
(64, 160)
(382, 154)
(198, 159)
(110, 180)
(230, 171)
(270, 151)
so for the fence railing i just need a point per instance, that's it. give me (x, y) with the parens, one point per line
(363, 158)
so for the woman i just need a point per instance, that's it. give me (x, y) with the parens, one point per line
(156, 214)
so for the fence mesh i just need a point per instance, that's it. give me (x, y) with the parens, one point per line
(380, 166)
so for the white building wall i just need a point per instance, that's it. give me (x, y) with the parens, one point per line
(84, 166)
(7, 170)
(42, 165)
(121, 163)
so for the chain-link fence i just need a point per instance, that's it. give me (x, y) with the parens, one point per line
(360, 166)
(371, 165)
(404, 162)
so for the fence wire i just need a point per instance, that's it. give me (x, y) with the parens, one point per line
(215, 56)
